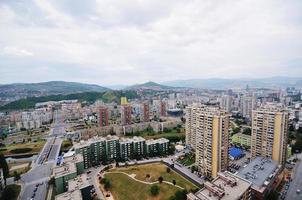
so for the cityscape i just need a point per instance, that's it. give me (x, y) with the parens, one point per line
(150, 100)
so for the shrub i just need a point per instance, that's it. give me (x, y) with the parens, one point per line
(21, 150)
(154, 190)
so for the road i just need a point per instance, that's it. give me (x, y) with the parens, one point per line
(35, 182)
(296, 183)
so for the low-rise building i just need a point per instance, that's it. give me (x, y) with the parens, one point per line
(226, 186)
(263, 173)
(69, 169)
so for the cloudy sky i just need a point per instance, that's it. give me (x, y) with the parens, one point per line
(111, 42)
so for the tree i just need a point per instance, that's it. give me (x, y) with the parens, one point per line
(107, 185)
(154, 190)
(171, 149)
(17, 176)
(147, 175)
(179, 195)
(247, 131)
(4, 167)
(174, 182)
(10, 192)
(168, 170)
(160, 179)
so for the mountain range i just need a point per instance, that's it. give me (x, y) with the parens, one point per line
(21, 90)
(219, 83)
(149, 86)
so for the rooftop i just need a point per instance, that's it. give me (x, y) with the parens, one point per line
(160, 140)
(74, 195)
(80, 182)
(73, 158)
(226, 186)
(66, 168)
(259, 171)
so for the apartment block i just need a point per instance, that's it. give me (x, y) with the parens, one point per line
(269, 133)
(209, 126)
(226, 186)
(157, 147)
(99, 149)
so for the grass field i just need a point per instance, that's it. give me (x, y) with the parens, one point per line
(125, 188)
(156, 170)
(35, 147)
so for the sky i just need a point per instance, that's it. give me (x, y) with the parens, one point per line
(110, 42)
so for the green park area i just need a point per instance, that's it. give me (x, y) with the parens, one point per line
(125, 188)
(21, 148)
(151, 173)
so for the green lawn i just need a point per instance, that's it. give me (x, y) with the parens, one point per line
(156, 170)
(125, 188)
(34, 146)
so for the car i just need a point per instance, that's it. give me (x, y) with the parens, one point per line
(298, 191)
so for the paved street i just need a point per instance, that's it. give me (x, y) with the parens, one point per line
(35, 182)
(296, 183)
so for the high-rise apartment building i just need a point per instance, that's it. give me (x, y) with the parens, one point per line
(103, 117)
(124, 100)
(146, 112)
(210, 127)
(269, 133)
(126, 114)
(247, 104)
(190, 115)
(163, 109)
(226, 102)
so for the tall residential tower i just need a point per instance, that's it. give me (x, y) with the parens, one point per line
(210, 128)
(269, 133)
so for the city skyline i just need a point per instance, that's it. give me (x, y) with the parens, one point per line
(128, 42)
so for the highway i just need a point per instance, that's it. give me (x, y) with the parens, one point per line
(296, 183)
(35, 181)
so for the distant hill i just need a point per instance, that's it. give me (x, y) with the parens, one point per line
(107, 97)
(22, 90)
(218, 83)
(149, 86)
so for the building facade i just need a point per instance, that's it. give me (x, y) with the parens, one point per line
(103, 117)
(126, 114)
(210, 127)
(269, 133)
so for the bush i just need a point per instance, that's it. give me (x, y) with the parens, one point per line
(160, 179)
(154, 190)
(179, 195)
(21, 150)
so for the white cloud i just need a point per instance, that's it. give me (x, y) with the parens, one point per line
(15, 51)
(112, 42)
